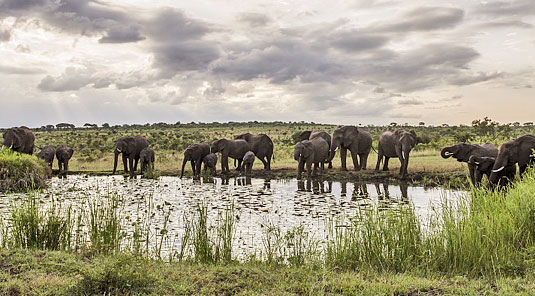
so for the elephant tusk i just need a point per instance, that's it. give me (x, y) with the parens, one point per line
(118, 150)
(403, 154)
(336, 149)
(498, 170)
(476, 163)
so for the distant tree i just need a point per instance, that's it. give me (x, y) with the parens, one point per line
(50, 126)
(529, 123)
(485, 126)
(90, 125)
(393, 124)
(516, 123)
(445, 125)
(64, 125)
(421, 123)
(106, 125)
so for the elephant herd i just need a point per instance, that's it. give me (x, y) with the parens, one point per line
(318, 148)
(498, 165)
(21, 139)
(313, 148)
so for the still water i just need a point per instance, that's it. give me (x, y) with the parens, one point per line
(257, 202)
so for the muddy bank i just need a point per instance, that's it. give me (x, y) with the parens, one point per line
(454, 179)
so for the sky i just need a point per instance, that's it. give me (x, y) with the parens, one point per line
(341, 62)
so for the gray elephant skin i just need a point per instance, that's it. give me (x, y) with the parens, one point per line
(19, 139)
(210, 161)
(261, 146)
(130, 148)
(519, 151)
(146, 159)
(396, 144)
(47, 154)
(195, 153)
(314, 151)
(63, 154)
(463, 151)
(307, 135)
(357, 140)
(235, 149)
(248, 161)
(483, 166)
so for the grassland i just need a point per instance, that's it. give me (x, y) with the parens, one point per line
(94, 147)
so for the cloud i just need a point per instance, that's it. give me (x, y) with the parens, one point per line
(474, 78)
(501, 8)
(172, 25)
(253, 19)
(354, 41)
(71, 79)
(423, 19)
(505, 23)
(10, 70)
(122, 35)
(410, 102)
(5, 35)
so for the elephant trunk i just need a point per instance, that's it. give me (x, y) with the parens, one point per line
(497, 169)
(446, 152)
(334, 146)
(115, 161)
(183, 165)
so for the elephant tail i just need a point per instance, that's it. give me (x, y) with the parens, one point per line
(374, 150)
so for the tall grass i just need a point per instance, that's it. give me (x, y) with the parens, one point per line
(20, 172)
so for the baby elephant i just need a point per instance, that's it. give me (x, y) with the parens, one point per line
(47, 154)
(248, 161)
(483, 166)
(63, 154)
(210, 161)
(146, 158)
(314, 151)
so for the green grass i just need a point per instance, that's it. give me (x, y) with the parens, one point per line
(19, 172)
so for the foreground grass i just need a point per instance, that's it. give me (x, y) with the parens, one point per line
(25, 272)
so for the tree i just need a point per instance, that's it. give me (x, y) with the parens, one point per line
(421, 123)
(106, 125)
(529, 123)
(393, 124)
(485, 126)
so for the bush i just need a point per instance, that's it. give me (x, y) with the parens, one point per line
(19, 172)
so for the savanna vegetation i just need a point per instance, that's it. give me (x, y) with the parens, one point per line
(94, 146)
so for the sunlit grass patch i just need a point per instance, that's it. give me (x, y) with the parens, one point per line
(20, 171)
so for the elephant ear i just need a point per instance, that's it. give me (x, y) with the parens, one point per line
(70, 152)
(474, 160)
(350, 135)
(398, 134)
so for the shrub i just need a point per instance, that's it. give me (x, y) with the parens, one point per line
(19, 172)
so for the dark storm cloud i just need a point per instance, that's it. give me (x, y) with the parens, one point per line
(423, 19)
(254, 19)
(354, 41)
(189, 56)
(86, 17)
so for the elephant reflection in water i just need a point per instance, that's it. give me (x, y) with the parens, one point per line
(315, 186)
(385, 195)
(242, 181)
(360, 191)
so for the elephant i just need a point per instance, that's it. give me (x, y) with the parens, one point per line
(47, 154)
(261, 146)
(396, 144)
(19, 139)
(248, 161)
(195, 154)
(146, 158)
(235, 149)
(463, 151)
(307, 135)
(130, 148)
(314, 151)
(210, 161)
(519, 151)
(63, 154)
(483, 166)
(357, 140)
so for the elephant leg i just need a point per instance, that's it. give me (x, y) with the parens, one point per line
(239, 165)
(522, 169)
(66, 166)
(363, 161)
(131, 163)
(356, 165)
(309, 168)
(300, 168)
(477, 177)
(198, 166)
(343, 155)
(385, 165)
(125, 163)
(269, 161)
(315, 172)
(322, 166)
(59, 166)
(135, 164)
(379, 158)
(266, 165)
(471, 170)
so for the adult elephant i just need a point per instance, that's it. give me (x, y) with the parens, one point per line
(309, 135)
(484, 164)
(19, 139)
(63, 154)
(396, 144)
(130, 148)
(261, 145)
(235, 149)
(357, 140)
(463, 151)
(195, 154)
(314, 151)
(47, 154)
(519, 151)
